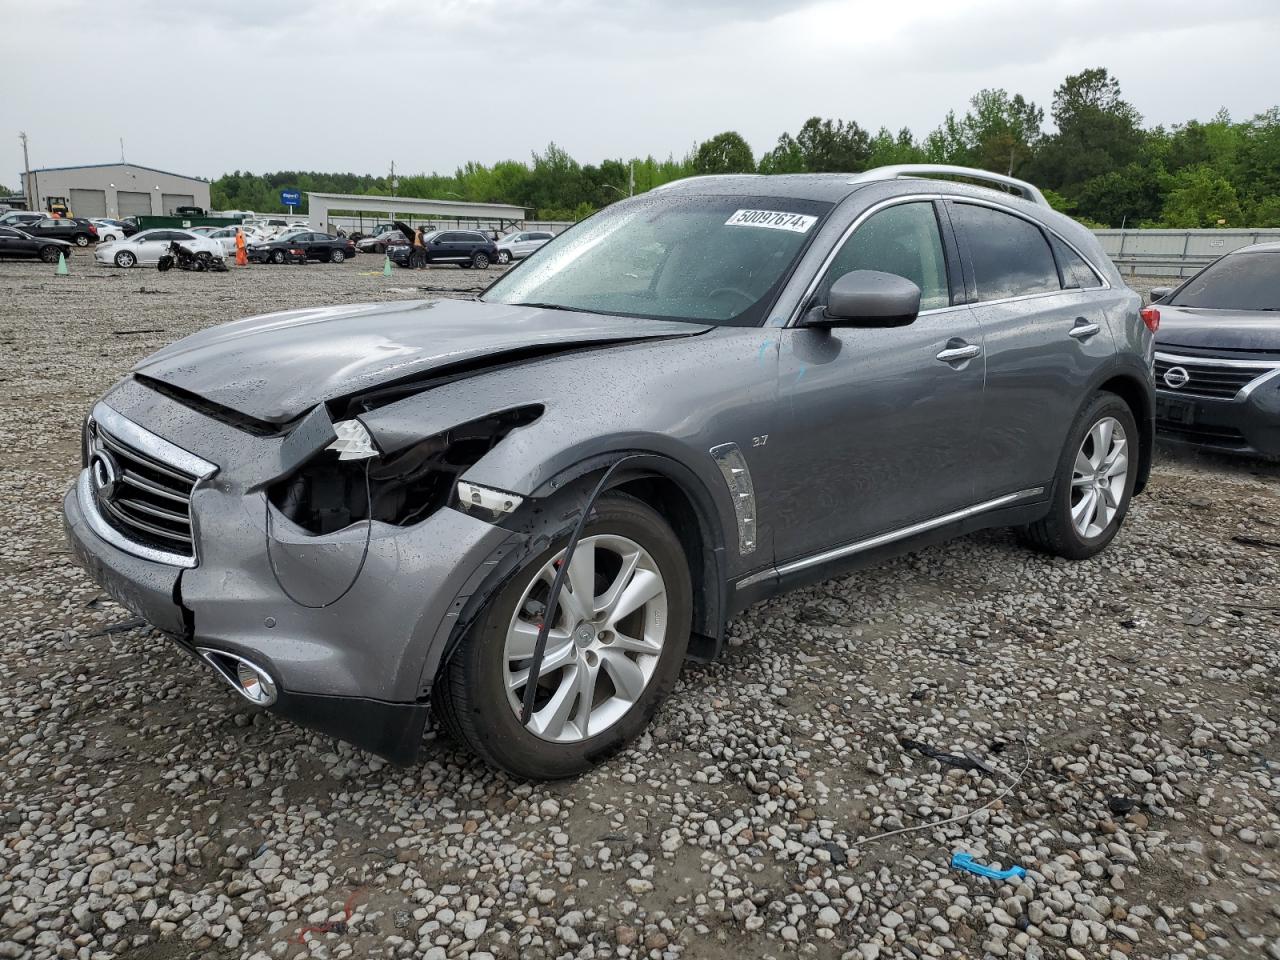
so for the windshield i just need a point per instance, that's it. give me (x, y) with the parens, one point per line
(1240, 281)
(712, 259)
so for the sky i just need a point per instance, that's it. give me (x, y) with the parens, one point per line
(204, 88)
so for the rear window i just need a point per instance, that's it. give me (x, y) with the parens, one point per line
(1076, 274)
(1239, 281)
(1011, 257)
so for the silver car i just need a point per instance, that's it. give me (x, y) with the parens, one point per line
(522, 513)
(517, 246)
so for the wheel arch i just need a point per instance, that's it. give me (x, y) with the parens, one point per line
(1136, 392)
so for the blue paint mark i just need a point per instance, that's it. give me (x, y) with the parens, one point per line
(800, 374)
(764, 345)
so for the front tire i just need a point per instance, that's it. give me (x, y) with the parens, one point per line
(337, 256)
(49, 254)
(614, 652)
(504, 257)
(1094, 483)
(125, 259)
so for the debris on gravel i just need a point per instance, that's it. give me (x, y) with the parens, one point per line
(1119, 718)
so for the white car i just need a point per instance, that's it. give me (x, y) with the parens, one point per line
(149, 245)
(226, 238)
(517, 246)
(107, 231)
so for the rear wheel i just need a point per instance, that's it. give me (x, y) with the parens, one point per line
(277, 256)
(49, 254)
(125, 259)
(1094, 483)
(81, 239)
(619, 637)
(480, 261)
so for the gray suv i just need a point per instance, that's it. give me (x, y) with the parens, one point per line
(522, 513)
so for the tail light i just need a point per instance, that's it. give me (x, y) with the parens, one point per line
(1151, 317)
(93, 230)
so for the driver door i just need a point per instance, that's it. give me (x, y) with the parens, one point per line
(880, 423)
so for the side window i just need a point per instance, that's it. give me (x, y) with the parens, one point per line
(1076, 274)
(1011, 257)
(902, 240)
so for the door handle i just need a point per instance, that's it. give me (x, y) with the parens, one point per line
(1083, 329)
(957, 354)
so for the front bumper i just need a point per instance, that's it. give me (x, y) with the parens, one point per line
(1247, 424)
(361, 667)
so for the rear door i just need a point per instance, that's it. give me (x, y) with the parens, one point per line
(1045, 335)
(880, 422)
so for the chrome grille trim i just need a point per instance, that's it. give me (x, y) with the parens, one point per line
(152, 518)
(1218, 378)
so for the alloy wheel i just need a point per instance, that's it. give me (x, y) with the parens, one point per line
(605, 644)
(1098, 478)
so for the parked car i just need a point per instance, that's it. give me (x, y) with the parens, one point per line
(702, 396)
(466, 248)
(129, 225)
(1217, 364)
(149, 246)
(226, 237)
(314, 246)
(380, 240)
(15, 243)
(108, 230)
(21, 218)
(517, 246)
(77, 230)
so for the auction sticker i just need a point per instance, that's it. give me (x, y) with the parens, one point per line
(773, 220)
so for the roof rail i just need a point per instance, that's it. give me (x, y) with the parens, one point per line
(1023, 189)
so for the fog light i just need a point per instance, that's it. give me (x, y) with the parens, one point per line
(353, 441)
(243, 676)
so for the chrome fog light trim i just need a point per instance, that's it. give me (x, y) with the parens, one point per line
(243, 676)
(494, 501)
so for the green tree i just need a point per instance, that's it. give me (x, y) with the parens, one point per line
(786, 157)
(1199, 196)
(724, 153)
(833, 146)
(1098, 131)
(1001, 131)
(887, 148)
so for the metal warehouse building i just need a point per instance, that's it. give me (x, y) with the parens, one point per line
(116, 190)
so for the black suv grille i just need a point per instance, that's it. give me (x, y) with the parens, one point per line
(1206, 378)
(151, 500)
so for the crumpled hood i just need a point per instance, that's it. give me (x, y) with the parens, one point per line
(1256, 330)
(274, 368)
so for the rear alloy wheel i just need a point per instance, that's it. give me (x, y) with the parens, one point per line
(1094, 483)
(277, 256)
(614, 651)
(480, 261)
(81, 239)
(337, 256)
(49, 254)
(504, 257)
(125, 259)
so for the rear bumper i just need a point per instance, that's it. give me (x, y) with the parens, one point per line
(1247, 424)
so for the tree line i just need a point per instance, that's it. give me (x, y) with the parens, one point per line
(1099, 163)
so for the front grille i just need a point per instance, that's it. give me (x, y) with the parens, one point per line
(1206, 378)
(150, 500)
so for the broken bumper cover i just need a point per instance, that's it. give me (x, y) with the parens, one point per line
(359, 667)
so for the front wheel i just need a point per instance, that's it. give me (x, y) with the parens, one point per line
(1094, 482)
(125, 259)
(613, 653)
(504, 257)
(337, 256)
(49, 254)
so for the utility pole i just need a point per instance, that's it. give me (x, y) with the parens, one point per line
(122, 149)
(393, 178)
(631, 179)
(26, 173)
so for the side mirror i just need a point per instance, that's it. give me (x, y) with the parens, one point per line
(1159, 293)
(868, 298)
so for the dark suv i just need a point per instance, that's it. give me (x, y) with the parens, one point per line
(466, 248)
(522, 513)
(77, 230)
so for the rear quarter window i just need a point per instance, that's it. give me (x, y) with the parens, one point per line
(1010, 255)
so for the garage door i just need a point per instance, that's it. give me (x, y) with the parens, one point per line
(89, 203)
(169, 202)
(133, 204)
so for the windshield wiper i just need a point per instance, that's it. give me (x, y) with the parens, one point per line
(552, 306)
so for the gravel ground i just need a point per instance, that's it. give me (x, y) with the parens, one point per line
(1125, 707)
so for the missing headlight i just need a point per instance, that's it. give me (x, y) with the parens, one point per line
(327, 493)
